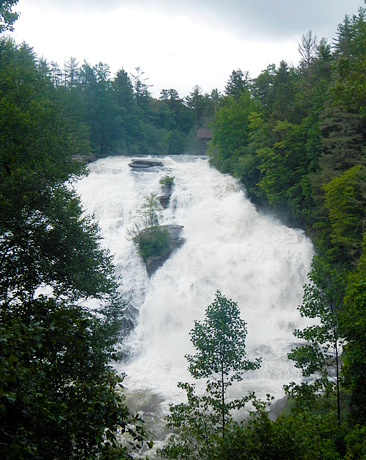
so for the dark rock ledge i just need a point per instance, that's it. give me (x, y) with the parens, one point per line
(144, 163)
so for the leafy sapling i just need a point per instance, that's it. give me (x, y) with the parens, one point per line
(220, 359)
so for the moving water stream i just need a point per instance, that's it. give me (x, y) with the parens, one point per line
(250, 257)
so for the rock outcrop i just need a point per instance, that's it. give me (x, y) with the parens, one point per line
(84, 158)
(144, 163)
(164, 198)
(155, 262)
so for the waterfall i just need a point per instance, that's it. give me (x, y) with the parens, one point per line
(250, 257)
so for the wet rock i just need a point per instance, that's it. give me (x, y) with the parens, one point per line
(165, 197)
(144, 163)
(126, 326)
(84, 158)
(277, 408)
(129, 319)
(164, 200)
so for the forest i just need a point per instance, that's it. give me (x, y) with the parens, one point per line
(294, 137)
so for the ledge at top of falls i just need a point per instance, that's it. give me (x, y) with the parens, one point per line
(144, 163)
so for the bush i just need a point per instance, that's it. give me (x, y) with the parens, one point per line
(167, 181)
(153, 241)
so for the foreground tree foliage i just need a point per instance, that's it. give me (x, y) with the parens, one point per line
(59, 395)
(7, 15)
(202, 422)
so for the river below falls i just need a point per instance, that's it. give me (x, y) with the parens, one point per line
(229, 246)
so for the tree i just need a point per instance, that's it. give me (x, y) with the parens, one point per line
(284, 168)
(101, 108)
(221, 360)
(7, 16)
(237, 82)
(353, 326)
(231, 131)
(59, 396)
(283, 93)
(123, 89)
(171, 95)
(221, 353)
(307, 49)
(345, 200)
(196, 101)
(141, 87)
(71, 71)
(350, 85)
(262, 85)
(322, 301)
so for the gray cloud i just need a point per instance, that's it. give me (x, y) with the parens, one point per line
(256, 18)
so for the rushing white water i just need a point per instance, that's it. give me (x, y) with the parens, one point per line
(251, 258)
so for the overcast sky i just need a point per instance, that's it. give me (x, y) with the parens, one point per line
(177, 43)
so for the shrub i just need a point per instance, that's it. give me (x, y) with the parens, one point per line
(167, 181)
(153, 241)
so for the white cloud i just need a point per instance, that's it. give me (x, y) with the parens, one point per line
(279, 18)
(178, 44)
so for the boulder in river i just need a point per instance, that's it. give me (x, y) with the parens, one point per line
(144, 163)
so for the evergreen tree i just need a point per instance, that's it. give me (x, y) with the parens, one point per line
(237, 82)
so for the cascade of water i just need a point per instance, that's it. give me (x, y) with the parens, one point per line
(251, 258)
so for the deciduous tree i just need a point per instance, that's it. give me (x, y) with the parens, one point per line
(7, 15)
(221, 360)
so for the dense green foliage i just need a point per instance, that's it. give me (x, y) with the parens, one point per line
(167, 182)
(296, 138)
(153, 241)
(287, 133)
(59, 395)
(118, 115)
(319, 356)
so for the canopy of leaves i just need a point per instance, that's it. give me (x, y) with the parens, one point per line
(59, 396)
(7, 15)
